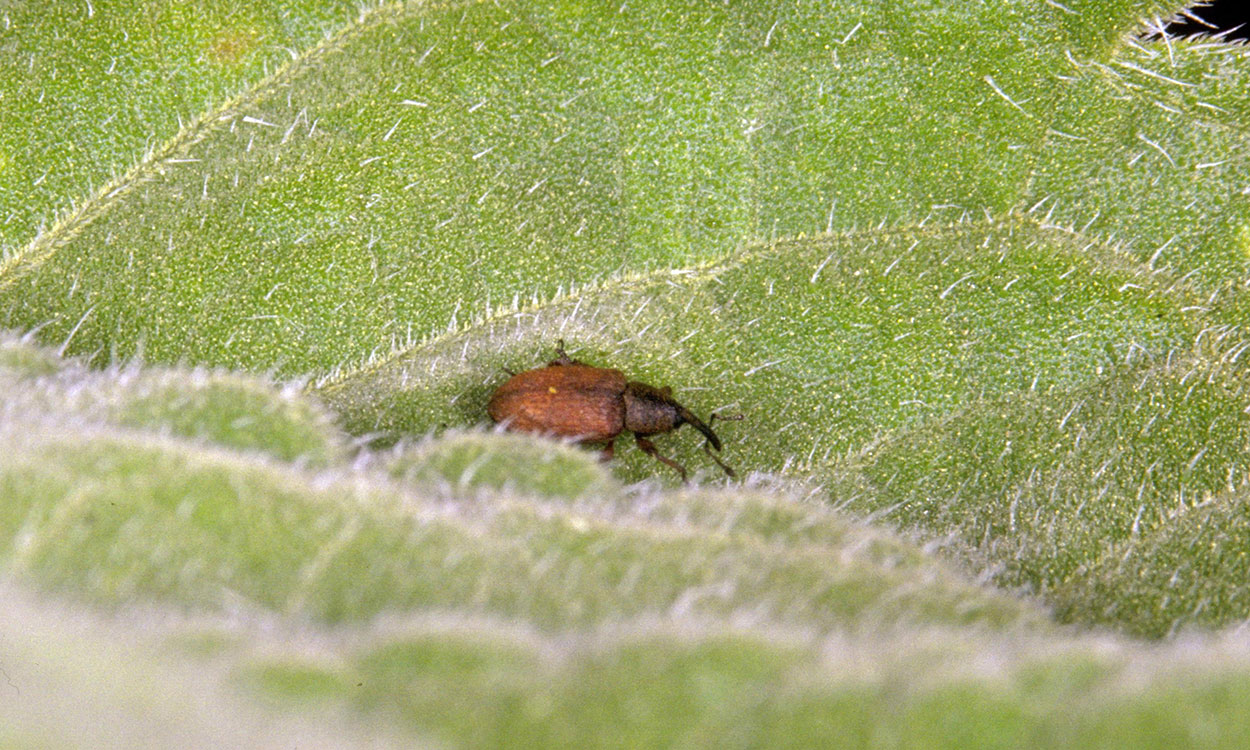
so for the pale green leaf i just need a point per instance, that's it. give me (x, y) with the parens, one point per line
(91, 88)
(972, 272)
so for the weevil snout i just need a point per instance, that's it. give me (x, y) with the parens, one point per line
(689, 418)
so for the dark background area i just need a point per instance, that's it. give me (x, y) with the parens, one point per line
(1223, 14)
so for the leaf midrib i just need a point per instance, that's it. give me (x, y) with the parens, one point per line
(71, 223)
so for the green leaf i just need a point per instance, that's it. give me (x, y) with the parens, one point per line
(824, 341)
(485, 683)
(510, 462)
(1162, 174)
(1188, 571)
(71, 678)
(93, 88)
(1047, 485)
(428, 163)
(973, 274)
(235, 410)
(117, 518)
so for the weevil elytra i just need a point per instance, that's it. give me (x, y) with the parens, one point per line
(571, 399)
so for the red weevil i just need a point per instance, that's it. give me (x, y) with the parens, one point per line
(594, 405)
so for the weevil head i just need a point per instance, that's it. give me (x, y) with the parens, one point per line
(651, 411)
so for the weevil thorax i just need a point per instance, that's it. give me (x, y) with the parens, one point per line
(651, 411)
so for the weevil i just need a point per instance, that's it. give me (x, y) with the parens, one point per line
(587, 404)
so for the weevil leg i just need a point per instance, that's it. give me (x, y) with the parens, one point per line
(648, 447)
(608, 451)
(707, 448)
(562, 357)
